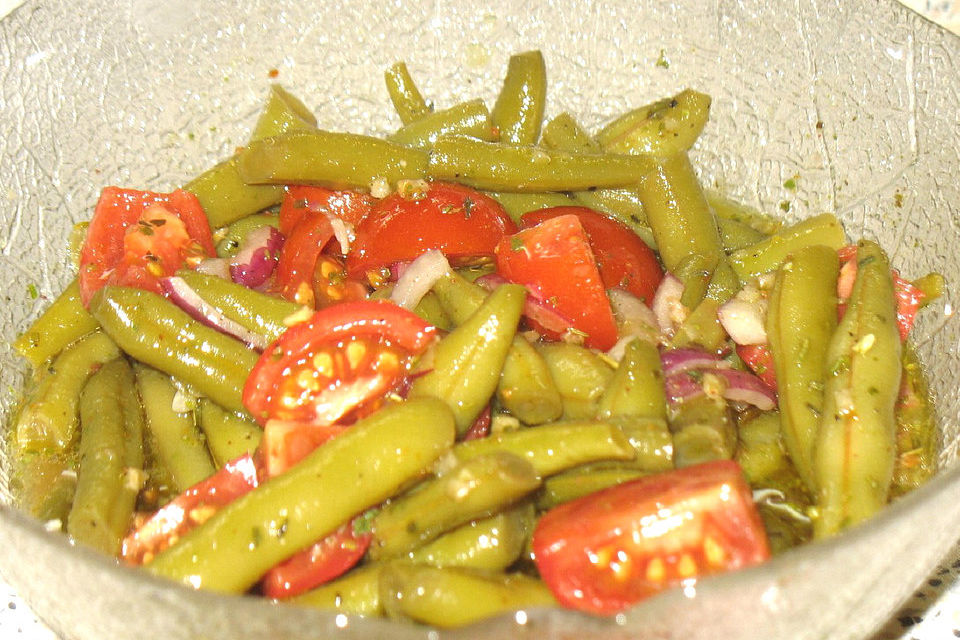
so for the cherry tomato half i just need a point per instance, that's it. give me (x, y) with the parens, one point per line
(336, 364)
(457, 220)
(136, 238)
(554, 260)
(624, 260)
(759, 359)
(611, 549)
(349, 206)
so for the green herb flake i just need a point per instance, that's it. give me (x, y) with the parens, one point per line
(516, 243)
(364, 522)
(790, 183)
(662, 61)
(32, 291)
(467, 207)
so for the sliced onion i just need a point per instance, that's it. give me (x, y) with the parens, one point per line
(667, 308)
(535, 308)
(743, 321)
(630, 310)
(680, 360)
(740, 387)
(257, 257)
(183, 295)
(419, 278)
(219, 267)
(342, 231)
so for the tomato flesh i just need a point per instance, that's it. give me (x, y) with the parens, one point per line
(909, 298)
(623, 259)
(286, 443)
(457, 220)
(611, 549)
(190, 509)
(135, 238)
(554, 260)
(349, 206)
(759, 359)
(293, 278)
(341, 360)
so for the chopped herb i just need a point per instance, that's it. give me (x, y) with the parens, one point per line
(662, 61)
(446, 209)
(898, 200)
(32, 290)
(364, 522)
(516, 243)
(158, 222)
(467, 207)
(785, 205)
(790, 183)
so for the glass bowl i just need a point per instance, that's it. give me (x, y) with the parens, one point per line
(857, 103)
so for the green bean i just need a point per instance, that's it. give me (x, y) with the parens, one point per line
(107, 485)
(694, 271)
(465, 119)
(678, 214)
(726, 209)
(555, 447)
(651, 440)
(735, 235)
(455, 597)
(236, 232)
(44, 482)
(228, 435)
(283, 112)
(466, 364)
(238, 544)
(475, 488)
(526, 388)
(357, 592)
(491, 544)
(76, 240)
(179, 444)
(264, 315)
(226, 197)
(916, 428)
(518, 112)
(761, 450)
(404, 94)
(458, 297)
(724, 282)
(703, 430)
(50, 415)
(581, 377)
(799, 333)
(156, 332)
(503, 167)
(702, 328)
(768, 254)
(429, 307)
(517, 204)
(855, 450)
(933, 286)
(337, 160)
(62, 323)
(636, 387)
(577, 483)
(663, 128)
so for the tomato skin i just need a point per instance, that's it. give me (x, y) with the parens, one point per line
(759, 359)
(455, 219)
(609, 550)
(189, 509)
(623, 259)
(909, 298)
(349, 206)
(319, 563)
(117, 248)
(286, 443)
(293, 278)
(332, 285)
(554, 260)
(271, 390)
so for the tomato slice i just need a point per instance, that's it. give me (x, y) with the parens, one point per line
(320, 563)
(349, 206)
(338, 363)
(457, 220)
(188, 510)
(555, 261)
(623, 259)
(909, 298)
(332, 285)
(286, 443)
(293, 278)
(611, 549)
(135, 238)
(759, 359)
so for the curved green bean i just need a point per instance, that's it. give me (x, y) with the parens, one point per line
(238, 544)
(703, 430)
(337, 160)
(855, 450)
(663, 128)
(226, 197)
(357, 592)
(236, 232)
(526, 388)
(465, 119)
(768, 254)
(518, 112)
(63, 322)
(404, 94)
(283, 112)
(916, 428)
(581, 377)
(636, 387)
(149, 328)
(228, 435)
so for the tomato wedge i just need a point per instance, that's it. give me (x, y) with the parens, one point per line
(759, 359)
(909, 297)
(332, 285)
(337, 364)
(293, 278)
(554, 260)
(188, 510)
(135, 238)
(320, 563)
(286, 443)
(624, 260)
(611, 549)
(457, 220)
(349, 206)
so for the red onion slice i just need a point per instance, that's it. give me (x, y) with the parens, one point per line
(419, 278)
(740, 387)
(255, 261)
(183, 295)
(534, 307)
(680, 360)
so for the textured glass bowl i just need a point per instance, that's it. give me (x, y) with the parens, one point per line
(856, 102)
